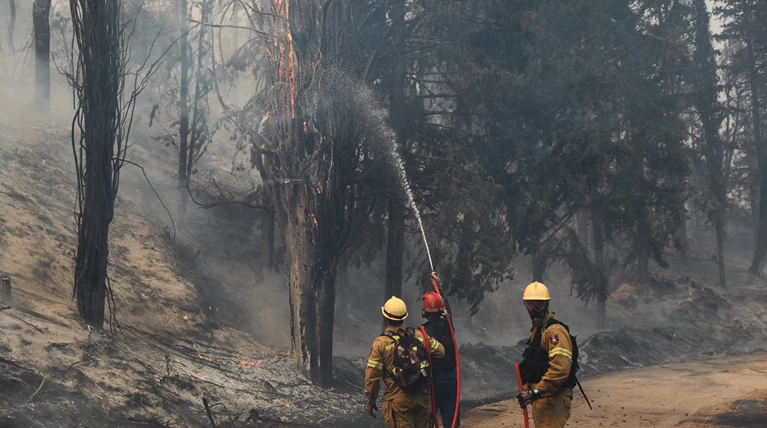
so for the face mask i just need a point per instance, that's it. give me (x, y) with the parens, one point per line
(537, 314)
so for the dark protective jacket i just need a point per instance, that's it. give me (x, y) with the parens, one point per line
(440, 330)
(548, 359)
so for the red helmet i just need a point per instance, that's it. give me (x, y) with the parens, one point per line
(433, 303)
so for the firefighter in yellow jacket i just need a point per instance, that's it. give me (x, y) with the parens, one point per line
(547, 368)
(401, 408)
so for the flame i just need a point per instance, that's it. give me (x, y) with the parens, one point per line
(315, 222)
(205, 357)
(239, 362)
(291, 80)
(248, 364)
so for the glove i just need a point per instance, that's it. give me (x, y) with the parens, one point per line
(372, 408)
(527, 397)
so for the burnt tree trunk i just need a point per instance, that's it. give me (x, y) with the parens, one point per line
(183, 108)
(757, 264)
(753, 193)
(599, 261)
(11, 23)
(41, 11)
(395, 242)
(199, 119)
(301, 270)
(97, 29)
(326, 306)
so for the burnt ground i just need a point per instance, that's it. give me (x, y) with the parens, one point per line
(743, 414)
(197, 321)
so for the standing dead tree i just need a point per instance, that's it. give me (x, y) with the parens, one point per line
(11, 22)
(100, 133)
(41, 11)
(194, 133)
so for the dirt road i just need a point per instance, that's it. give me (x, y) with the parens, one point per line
(721, 392)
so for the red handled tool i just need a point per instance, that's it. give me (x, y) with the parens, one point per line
(521, 390)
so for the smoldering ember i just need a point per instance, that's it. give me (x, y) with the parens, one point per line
(383, 213)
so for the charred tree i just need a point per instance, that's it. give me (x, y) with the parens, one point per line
(760, 252)
(41, 11)
(395, 242)
(183, 106)
(98, 32)
(103, 119)
(11, 22)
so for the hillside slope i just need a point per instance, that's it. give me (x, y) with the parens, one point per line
(196, 320)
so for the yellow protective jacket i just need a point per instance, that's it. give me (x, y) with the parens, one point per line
(556, 341)
(381, 361)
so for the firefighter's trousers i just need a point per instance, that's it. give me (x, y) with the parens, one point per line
(408, 410)
(553, 412)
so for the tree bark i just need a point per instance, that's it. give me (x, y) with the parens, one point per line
(753, 193)
(41, 10)
(326, 304)
(395, 242)
(301, 269)
(183, 108)
(99, 37)
(11, 23)
(757, 264)
(198, 120)
(599, 261)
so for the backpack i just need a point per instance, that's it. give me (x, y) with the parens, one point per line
(571, 380)
(411, 360)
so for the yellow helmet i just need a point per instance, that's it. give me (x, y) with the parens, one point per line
(394, 309)
(536, 291)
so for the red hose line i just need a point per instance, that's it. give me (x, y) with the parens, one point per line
(522, 389)
(457, 358)
(431, 385)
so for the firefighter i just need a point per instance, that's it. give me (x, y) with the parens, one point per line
(547, 370)
(444, 372)
(401, 408)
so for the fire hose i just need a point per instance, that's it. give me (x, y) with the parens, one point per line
(457, 363)
(522, 389)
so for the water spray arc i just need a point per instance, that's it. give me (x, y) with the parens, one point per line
(400, 166)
